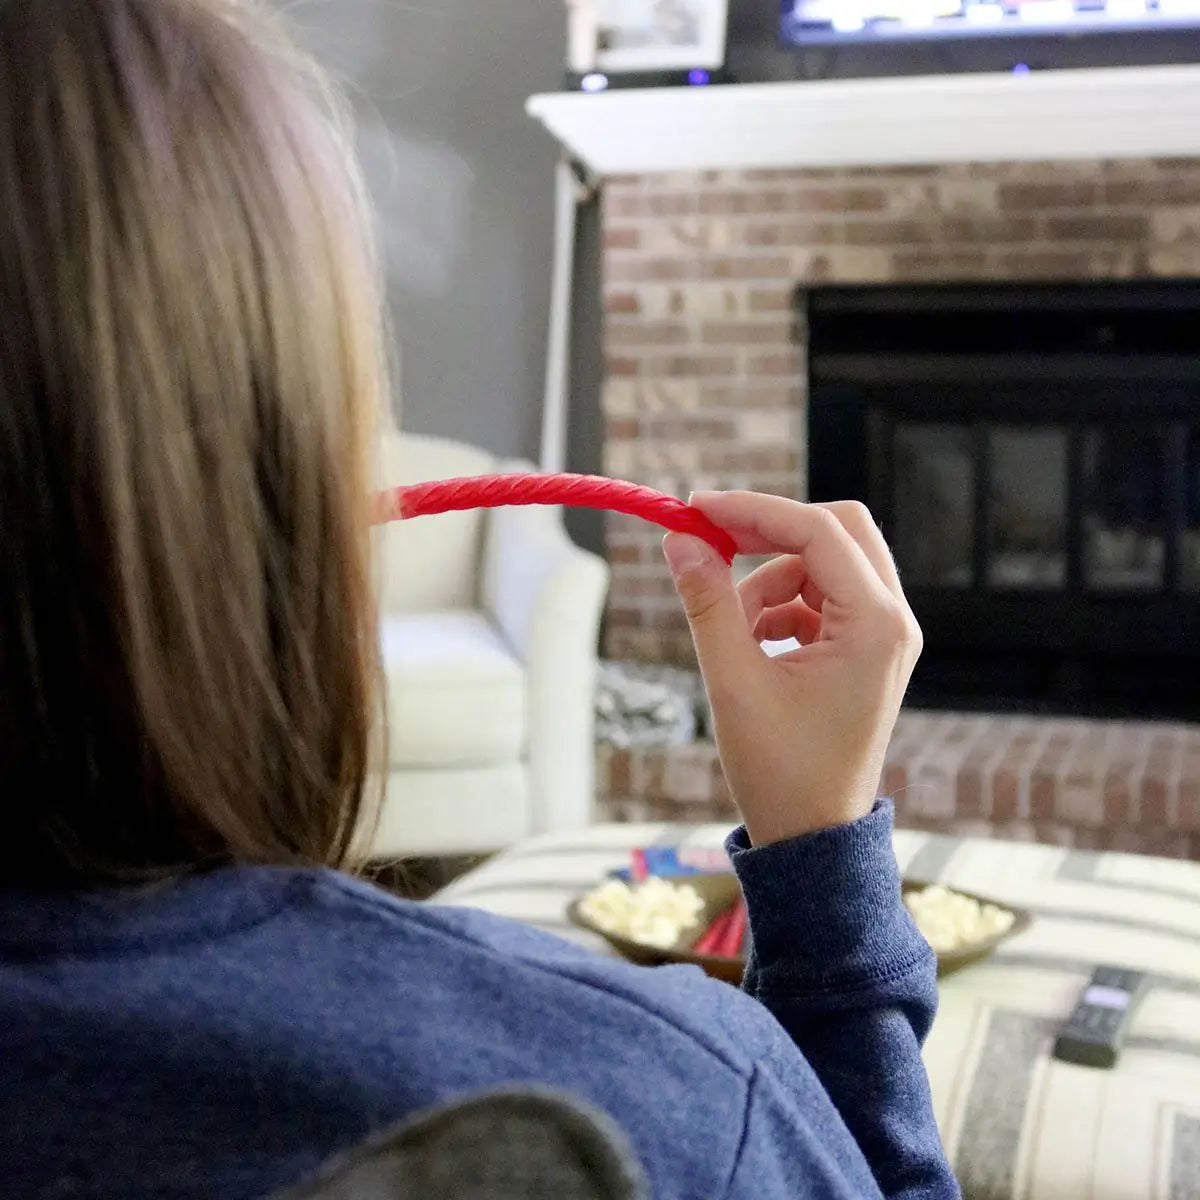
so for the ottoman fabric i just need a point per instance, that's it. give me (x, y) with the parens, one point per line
(1017, 1124)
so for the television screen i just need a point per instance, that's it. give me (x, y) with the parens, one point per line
(833, 22)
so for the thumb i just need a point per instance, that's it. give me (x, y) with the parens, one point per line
(710, 600)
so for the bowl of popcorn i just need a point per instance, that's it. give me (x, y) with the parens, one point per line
(961, 927)
(663, 919)
(669, 919)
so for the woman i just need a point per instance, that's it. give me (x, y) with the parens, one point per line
(194, 1000)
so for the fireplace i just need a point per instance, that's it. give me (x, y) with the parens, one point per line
(706, 384)
(1032, 452)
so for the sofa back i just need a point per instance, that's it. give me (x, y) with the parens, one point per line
(432, 563)
(522, 1143)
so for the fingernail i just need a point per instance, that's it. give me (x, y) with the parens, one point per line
(695, 496)
(685, 553)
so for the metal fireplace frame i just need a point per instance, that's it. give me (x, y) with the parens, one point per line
(1072, 357)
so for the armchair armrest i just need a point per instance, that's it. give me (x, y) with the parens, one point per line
(546, 596)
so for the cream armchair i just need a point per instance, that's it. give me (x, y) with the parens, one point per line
(489, 622)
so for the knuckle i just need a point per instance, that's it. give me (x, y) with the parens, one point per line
(856, 513)
(853, 514)
(898, 626)
(701, 603)
(916, 637)
(826, 521)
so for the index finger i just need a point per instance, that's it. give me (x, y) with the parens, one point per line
(775, 525)
(860, 525)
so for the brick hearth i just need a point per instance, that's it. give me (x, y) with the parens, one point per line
(705, 387)
(1095, 784)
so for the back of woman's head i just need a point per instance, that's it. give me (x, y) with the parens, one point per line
(189, 362)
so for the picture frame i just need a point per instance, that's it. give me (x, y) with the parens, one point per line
(630, 37)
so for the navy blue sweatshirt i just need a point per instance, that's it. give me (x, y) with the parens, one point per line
(221, 1036)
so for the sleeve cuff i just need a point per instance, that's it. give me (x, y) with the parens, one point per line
(825, 909)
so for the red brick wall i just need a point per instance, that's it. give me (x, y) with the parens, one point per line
(1096, 784)
(705, 387)
(705, 366)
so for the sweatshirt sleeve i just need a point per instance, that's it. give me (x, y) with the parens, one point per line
(840, 964)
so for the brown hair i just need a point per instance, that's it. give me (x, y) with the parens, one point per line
(189, 363)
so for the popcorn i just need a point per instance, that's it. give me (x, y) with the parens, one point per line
(950, 921)
(654, 912)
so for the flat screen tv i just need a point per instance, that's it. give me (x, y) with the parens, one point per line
(845, 23)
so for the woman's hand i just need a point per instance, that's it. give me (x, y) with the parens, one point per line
(802, 737)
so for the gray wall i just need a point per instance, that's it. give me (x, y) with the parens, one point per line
(462, 183)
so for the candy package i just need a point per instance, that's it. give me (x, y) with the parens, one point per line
(648, 861)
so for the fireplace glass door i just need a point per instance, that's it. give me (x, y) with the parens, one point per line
(1033, 455)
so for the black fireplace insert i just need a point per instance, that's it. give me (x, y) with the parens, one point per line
(1033, 455)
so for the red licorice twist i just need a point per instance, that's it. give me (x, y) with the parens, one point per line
(577, 491)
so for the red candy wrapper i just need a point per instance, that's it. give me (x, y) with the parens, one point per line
(674, 860)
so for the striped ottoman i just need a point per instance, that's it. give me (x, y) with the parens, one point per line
(1017, 1124)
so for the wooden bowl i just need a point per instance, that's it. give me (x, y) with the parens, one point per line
(950, 961)
(719, 891)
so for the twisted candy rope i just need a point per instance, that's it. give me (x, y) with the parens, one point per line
(578, 491)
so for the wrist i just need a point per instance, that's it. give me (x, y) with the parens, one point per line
(768, 825)
(784, 827)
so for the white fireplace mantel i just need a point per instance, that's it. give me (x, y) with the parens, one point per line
(1127, 112)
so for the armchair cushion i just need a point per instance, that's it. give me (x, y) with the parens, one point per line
(430, 564)
(456, 692)
(489, 624)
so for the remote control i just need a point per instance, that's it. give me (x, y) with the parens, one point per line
(1093, 1033)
